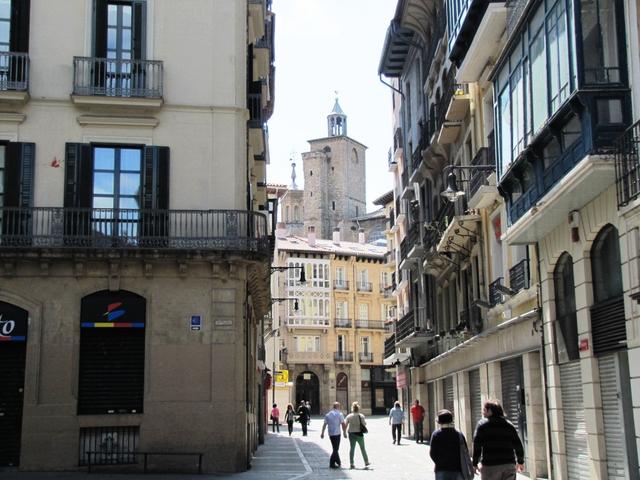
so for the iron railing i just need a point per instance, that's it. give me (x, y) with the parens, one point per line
(515, 9)
(478, 178)
(14, 71)
(256, 112)
(364, 286)
(117, 78)
(299, 321)
(405, 326)
(519, 275)
(405, 177)
(627, 161)
(343, 323)
(343, 356)
(495, 297)
(109, 445)
(366, 357)
(131, 229)
(438, 224)
(390, 346)
(370, 324)
(341, 285)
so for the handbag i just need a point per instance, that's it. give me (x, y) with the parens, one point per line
(466, 465)
(363, 428)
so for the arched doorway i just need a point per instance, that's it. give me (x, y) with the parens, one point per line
(308, 389)
(342, 391)
(13, 350)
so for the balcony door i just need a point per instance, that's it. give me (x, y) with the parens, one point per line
(117, 181)
(14, 38)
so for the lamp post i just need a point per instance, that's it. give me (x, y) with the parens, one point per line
(452, 193)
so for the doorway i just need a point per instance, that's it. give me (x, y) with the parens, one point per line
(308, 389)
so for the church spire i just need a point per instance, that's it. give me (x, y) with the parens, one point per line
(293, 175)
(337, 121)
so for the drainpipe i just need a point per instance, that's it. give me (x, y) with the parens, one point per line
(544, 362)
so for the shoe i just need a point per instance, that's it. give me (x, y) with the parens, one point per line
(352, 467)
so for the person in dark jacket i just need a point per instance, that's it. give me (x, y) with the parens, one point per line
(496, 445)
(445, 448)
(303, 417)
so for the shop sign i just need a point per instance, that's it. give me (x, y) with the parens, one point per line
(282, 376)
(13, 323)
(401, 380)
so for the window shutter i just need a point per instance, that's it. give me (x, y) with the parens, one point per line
(100, 28)
(78, 185)
(139, 28)
(19, 36)
(19, 174)
(155, 178)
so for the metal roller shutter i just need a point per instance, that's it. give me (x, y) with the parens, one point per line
(512, 389)
(475, 397)
(614, 439)
(431, 407)
(12, 359)
(448, 395)
(575, 432)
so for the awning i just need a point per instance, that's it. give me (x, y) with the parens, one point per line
(457, 234)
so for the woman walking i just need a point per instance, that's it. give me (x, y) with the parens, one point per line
(354, 423)
(289, 417)
(275, 417)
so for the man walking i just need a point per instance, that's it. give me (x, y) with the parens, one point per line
(417, 415)
(396, 417)
(496, 445)
(334, 420)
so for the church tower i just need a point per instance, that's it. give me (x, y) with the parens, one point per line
(334, 179)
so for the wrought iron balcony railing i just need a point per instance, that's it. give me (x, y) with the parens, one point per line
(366, 357)
(519, 275)
(130, 229)
(343, 323)
(341, 285)
(14, 71)
(478, 178)
(370, 324)
(343, 356)
(390, 346)
(256, 112)
(405, 326)
(628, 165)
(364, 286)
(495, 297)
(117, 78)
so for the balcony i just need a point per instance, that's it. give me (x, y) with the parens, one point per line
(460, 101)
(390, 346)
(387, 290)
(370, 324)
(343, 356)
(482, 183)
(407, 189)
(341, 285)
(14, 77)
(408, 334)
(105, 81)
(257, 10)
(627, 163)
(366, 357)
(519, 276)
(307, 322)
(392, 163)
(343, 323)
(103, 229)
(308, 357)
(364, 287)
(495, 297)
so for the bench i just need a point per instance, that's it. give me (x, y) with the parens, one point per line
(146, 455)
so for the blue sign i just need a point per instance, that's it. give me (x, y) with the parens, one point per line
(196, 323)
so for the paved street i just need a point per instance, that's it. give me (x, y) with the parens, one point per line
(297, 457)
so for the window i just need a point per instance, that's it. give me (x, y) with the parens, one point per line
(363, 311)
(342, 343)
(600, 31)
(287, 214)
(112, 353)
(17, 162)
(119, 33)
(333, 206)
(384, 279)
(342, 310)
(296, 214)
(307, 343)
(565, 301)
(605, 265)
(14, 26)
(341, 281)
(364, 345)
(363, 280)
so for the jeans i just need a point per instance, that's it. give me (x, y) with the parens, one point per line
(498, 472)
(276, 424)
(303, 424)
(417, 426)
(396, 429)
(359, 439)
(290, 426)
(449, 476)
(334, 461)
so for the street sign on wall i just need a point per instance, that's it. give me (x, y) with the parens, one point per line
(282, 376)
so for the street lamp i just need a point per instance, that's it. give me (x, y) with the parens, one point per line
(302, 279)
(452, 193)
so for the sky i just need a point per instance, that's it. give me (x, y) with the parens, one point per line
(324, 46)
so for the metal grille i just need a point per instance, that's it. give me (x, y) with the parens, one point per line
(14, 71)
(512, 394)
(448, 395)
(475, 396)
(12, 360)
(608, 325)
(575, 430)
(614, 438)
(628, 165)
(108, 445)
(431, 409)
(117, 78)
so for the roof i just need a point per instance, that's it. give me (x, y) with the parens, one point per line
(383, 199)
(371, 215)
(301, 244)
(336, 109)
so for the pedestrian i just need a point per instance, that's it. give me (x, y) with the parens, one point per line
(335, 421)
(289, 417)
(396, 417)
(417, 415)
(496, 445)
(445, 449)
(303, 417)
(275, 418)
(308, 405)
(353, 424)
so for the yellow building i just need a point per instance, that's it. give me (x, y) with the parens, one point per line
(329, 331)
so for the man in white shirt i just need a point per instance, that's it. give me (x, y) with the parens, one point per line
(335, 421)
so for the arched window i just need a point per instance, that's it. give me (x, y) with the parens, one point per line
(565, 299)
(112, 333)
(605, 265)
(296, 214)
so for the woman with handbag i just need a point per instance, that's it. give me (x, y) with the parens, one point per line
(289, 417)
(356, 425)
(449, 450)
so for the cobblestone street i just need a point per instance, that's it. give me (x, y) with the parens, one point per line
(297, 457)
